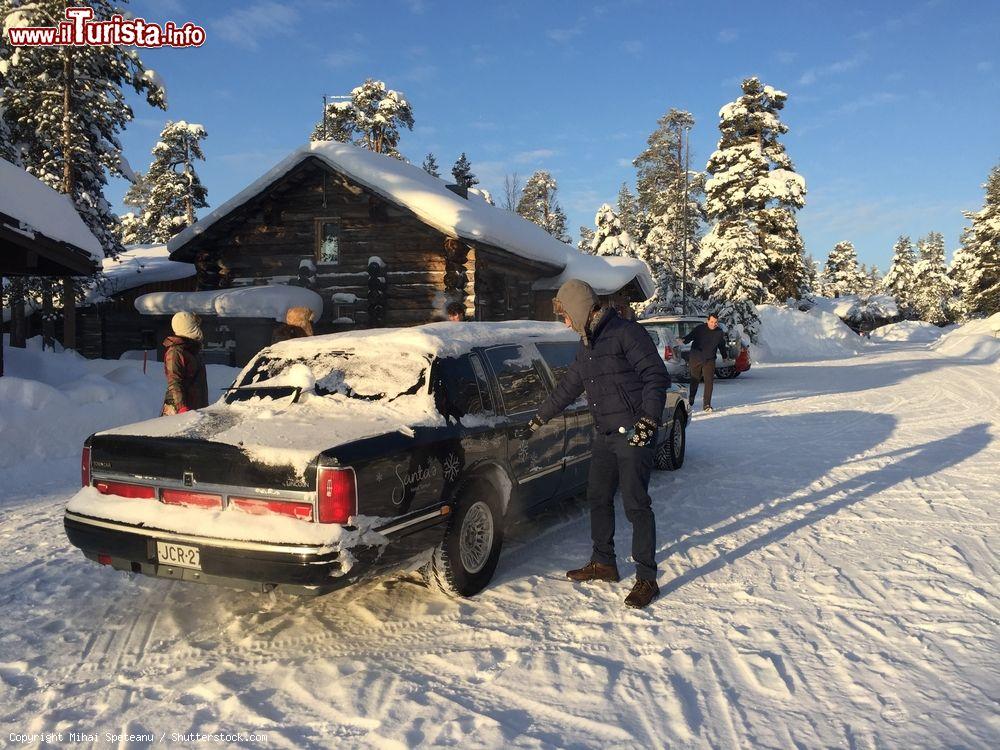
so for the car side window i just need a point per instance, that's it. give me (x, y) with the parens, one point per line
(558, 355)
(521, 386)
(459, 389)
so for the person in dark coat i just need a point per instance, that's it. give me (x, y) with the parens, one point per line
(626, 381)
(298, 323)
(455, 312)
(706, 339)
(187, 384)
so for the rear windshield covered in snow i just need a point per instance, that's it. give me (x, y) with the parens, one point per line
(362, 375)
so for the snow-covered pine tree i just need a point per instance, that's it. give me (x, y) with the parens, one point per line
(430, 165)
(841, 274)
(732, 265)
(173, 190)
(538, 204)
(981, 296)
(753, 180)
(585, 245)
(462, 172)
(66, 106)
(610, 238)
(628, 213)
(933, 288)
(899, 281)
(811, 282)
(371, 119)
(961, 272)
(132, 228)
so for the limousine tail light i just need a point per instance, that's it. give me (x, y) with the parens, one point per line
(337, 491)
(191, 499)
(122, 489)
(257, 507)
(85, 467)
(668, 352)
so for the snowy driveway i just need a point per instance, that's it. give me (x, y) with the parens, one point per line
(830, 580)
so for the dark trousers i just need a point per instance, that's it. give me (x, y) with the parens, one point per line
(615, 464)
(702, 371)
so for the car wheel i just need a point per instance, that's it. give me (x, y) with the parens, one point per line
(669, 454)
(465, 560)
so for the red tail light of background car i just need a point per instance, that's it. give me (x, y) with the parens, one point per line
(190, 499)
(85, 467)
(668, 352)
(122, 489)
(258, 507)
(337, 492)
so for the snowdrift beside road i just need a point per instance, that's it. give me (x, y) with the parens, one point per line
(915, 331)
(788, 335)
(977, 340)
(53, 401)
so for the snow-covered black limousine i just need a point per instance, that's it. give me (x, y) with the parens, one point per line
(340, 456)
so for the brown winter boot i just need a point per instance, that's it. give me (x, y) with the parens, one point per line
(642, 594)
(594, 571)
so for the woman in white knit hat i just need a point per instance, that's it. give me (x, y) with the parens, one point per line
(187, 385)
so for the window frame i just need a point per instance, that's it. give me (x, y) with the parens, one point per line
(318, 223)
(542, 379)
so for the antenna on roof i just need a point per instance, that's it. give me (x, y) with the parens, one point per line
(331, 97)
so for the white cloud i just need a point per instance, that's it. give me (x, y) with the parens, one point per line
(528, 157)
(835, 68)
(562, 36)
(624, 162)
(865, 102)
(727, 36)
(633, 47)
(785, 57)
(246, 26)
(342, 58)
(984, 66)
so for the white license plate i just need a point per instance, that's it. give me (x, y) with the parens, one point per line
(178, 554)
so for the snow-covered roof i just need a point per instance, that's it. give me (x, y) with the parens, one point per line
(138, 265)
(429, 198)
(606, 274)
(42, 210)
(271, 301)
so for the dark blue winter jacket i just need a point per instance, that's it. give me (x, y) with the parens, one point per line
(620, 370)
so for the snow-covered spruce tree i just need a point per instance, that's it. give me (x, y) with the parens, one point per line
(132, 227)
(961, 272)
(663, 221)
(610, 237)
(462, 172)
(899, 281)
(538, 204)
(628, 213)
(371, 119)
(811, 282)
(586, 243)
(933, 288)
(841, 274)
(753, 181)
(175, 190)
(732, 265)
(430, 165)
(981, 295)
(66, 107)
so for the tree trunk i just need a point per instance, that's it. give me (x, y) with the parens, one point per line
(69, 313)
(67, 123)
(48, 317)
(18, 332)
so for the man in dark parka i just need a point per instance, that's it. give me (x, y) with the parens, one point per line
(625, 380)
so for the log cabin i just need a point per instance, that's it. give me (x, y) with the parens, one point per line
(386, 244)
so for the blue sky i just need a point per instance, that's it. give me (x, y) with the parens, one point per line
(894, 107)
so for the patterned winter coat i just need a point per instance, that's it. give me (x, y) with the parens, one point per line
(620, 370)
(187, 384)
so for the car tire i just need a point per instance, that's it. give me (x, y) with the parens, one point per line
(464, 562)
(669, 454)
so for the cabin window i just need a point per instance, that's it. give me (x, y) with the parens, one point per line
(327, 241)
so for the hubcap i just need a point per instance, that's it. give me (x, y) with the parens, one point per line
(678, 437)
(476, 537)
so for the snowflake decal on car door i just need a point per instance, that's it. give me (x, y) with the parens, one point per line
(451, 467)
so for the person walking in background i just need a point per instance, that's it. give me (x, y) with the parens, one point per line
(187, 384)
(298, 324)
(706, 339)
(626, 383)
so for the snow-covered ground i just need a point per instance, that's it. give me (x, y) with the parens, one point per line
(829, 579)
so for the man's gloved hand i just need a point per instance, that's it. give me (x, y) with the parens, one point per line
(531, 428)
(645, 429)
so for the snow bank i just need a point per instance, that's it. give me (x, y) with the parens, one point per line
(858, 307)
(51, 402)
(41, 209)
(271, 301)
(977, 340)
(138, 265)
(917, 331)
(433, 203)
(788, 335)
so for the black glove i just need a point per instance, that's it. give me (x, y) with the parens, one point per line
(645, 430)
(531, 428)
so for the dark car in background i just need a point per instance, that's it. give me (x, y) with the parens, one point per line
(666, 329)
(336, 457)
